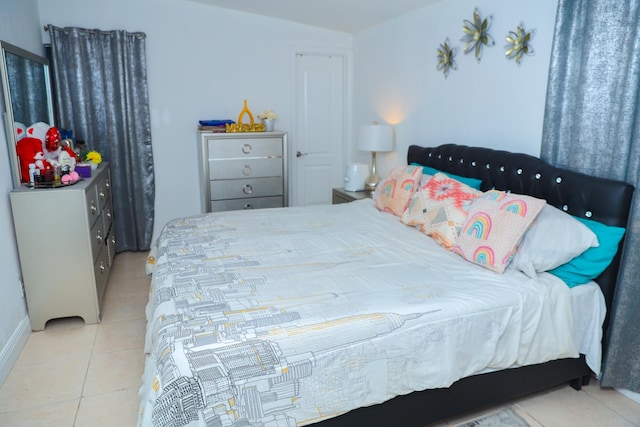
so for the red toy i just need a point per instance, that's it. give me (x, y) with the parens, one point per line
(52, 139)
(29, 150)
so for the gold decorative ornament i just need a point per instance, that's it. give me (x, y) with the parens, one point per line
(446, 56)
(242, 127)
(476, 34)
(518, 44)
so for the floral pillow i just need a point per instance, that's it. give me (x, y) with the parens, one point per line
(494, 227)
(439, 209)
(394, 192)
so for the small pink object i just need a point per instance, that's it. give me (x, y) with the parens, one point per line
(66, 179)
(74, 176)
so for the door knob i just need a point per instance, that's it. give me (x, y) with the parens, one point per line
(299, 154)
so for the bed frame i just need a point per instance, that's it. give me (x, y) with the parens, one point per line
(599, 199)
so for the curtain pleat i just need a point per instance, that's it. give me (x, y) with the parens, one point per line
(592, 124)
(100, 82)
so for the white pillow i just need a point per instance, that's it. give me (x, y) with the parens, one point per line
(425, 179)
(553, 239)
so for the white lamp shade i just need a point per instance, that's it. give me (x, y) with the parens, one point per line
(375, 138)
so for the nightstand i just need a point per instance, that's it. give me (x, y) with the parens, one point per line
(342, 196)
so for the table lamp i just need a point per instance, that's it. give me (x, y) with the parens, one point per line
(374, 138)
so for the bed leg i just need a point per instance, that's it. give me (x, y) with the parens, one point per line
(577, 383)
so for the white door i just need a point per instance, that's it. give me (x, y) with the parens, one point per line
(318, 147)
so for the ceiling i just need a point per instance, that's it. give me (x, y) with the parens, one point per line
(348, 16)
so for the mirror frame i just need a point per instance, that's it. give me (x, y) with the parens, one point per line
(8, 115)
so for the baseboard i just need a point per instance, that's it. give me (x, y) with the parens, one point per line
(11, 351)
(630, 394)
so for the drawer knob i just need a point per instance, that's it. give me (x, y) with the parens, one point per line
(246, 170)
(246, 148)
(108, 214)
(102, 267)
(248, 206)
(247, 189)
(99, 237)
(93, 208)
(101, 194)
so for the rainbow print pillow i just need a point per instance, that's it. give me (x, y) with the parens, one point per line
(394, 192)
(494, 227)
(439, 209)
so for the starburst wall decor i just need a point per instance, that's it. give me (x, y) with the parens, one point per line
(446, 58)
(518, 44)
(476, 34)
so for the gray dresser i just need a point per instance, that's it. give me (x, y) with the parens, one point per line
(243, 170)
(66, 245)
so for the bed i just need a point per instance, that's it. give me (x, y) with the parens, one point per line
(343, 315)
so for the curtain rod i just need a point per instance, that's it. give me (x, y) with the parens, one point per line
(138, 34)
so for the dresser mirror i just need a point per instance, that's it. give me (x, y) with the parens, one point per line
(27, 95)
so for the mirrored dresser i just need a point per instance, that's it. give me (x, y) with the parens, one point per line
(66, 246)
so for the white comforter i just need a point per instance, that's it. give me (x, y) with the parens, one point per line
(288, 316)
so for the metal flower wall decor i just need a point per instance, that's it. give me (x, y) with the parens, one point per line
(446, 60)
(518, 44)
(476, 34)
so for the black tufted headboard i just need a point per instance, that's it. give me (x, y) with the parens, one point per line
(599, 199)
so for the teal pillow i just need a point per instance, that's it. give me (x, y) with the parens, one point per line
(471, 182)
(592, 262)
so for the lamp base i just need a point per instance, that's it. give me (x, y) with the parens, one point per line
(371, 183)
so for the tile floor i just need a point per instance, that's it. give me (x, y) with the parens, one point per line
(73, 374)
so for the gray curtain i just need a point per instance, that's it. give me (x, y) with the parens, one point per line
(100, 86)
(592, 124)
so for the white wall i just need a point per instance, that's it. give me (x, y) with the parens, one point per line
(494, 103)
(19, 25)
(202, 62)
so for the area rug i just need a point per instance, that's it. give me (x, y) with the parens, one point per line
(506, 417)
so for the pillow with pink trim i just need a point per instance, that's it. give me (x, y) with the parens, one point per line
(395, 190)
(439, 209)
(494, 227)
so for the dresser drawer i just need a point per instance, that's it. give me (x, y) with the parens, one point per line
(101, 273)
(245, 168)
(107, 216)
(103, 191)
(93, 209)
(240, 204)
(111, 245)
(245, 148)
(96, 237)
(244, 188)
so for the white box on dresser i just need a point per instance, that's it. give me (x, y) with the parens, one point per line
(66, 246)
(242, 170)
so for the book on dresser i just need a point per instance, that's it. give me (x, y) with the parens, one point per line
(242, 170)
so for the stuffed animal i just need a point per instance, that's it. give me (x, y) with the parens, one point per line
(50, 138)
(41, 162)
(38, 130)
(29, 150)
(20, 131)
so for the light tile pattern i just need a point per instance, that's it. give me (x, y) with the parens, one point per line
(72, 374)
